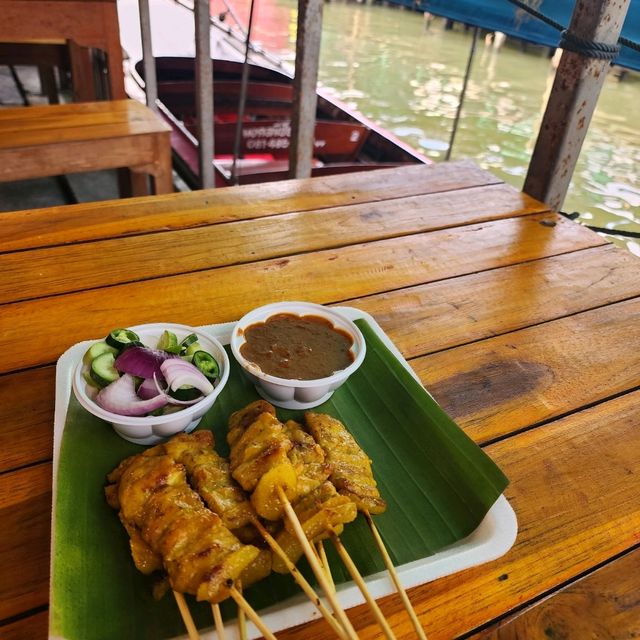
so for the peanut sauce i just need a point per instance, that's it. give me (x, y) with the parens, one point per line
(297, 347)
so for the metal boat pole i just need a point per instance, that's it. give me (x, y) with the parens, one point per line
(242, 100)
(579, 79)
(305, 97)
(150, 80)
(204, 92)
(463, 92)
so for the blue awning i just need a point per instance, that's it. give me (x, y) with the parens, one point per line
(501, 15)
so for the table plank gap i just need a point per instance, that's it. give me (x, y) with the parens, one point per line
(595, 604)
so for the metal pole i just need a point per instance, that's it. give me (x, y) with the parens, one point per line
(150, 81)
(572, 101)
(242, 100)
(305, 98)
(463, 92)
(204, 92)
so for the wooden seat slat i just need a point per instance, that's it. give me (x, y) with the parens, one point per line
(37, 112)
(202, 297)
(510, 382)
(117, 218)
(87, 265)
(70, 132)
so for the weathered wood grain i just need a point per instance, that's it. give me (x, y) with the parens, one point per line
(219, 295)
(26, 417)
(25, 513)
(441, 315)
(602, 605)
(503, 384)
(87, 265)
(32, 627)
(118, 218)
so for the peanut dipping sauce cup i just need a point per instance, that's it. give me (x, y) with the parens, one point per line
(289, 393)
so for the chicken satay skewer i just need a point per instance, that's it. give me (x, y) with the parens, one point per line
(217, 618)
(353, 477)
(315, 565)
(186, 616)
(251, 613)
(357, 578)
(394, 576)
(301, 581)
(211, 477)
(259, 462)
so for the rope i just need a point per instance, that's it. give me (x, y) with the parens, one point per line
(588, 48)
(575, 215)
(571, 42)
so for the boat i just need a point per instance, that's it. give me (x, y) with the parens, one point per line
(344, 140)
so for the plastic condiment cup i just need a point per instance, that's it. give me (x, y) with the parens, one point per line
(153, 429)
(290, 393)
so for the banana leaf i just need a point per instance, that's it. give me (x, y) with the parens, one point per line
(438, 484)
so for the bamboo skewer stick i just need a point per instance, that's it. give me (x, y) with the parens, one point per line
(394, 577)
(315, 566)
(217, 618)
(300, 580)
(242, 621)
(325, 563)
(357, 578)
(186, 616)
(251, 613)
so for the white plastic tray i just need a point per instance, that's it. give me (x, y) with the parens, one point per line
(494, 536)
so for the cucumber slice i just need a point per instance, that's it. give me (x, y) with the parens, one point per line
(86, 375)
(169, 342)
(186, 342)
(192, 348)
(96, 350)
(103, 369)
(120, 338)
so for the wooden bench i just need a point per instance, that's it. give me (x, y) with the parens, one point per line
(51, 140)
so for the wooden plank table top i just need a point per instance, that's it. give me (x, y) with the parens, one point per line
(522, 324)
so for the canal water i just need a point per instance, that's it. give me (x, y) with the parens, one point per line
(387, 64)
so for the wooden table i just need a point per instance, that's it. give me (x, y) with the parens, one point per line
(523, 325)
(50, 140)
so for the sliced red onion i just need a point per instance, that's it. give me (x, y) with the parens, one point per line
(171, 399)
(120, 397)
(148, 389)
(142, 361)
(178, 373)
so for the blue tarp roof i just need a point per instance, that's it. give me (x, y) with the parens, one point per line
(501, 15)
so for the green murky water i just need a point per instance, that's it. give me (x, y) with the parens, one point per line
(382, 61)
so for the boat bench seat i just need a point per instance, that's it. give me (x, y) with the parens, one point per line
(50, 140)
